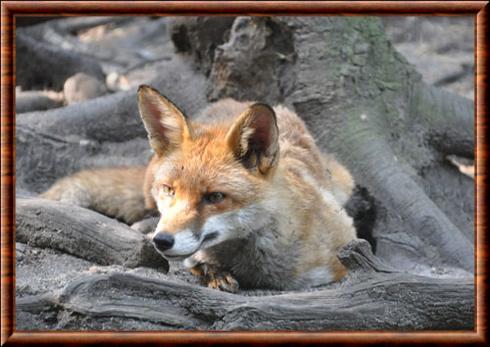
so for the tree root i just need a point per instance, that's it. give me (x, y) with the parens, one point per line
(83, 233)
(373, 297)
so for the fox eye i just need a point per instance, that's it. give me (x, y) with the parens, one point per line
(213, 198)
(167, 190)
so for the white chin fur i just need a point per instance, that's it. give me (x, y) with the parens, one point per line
(185, 243)
(219, 228)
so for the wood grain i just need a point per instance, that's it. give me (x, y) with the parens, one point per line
(88, 233)
(375, 296)
(11, 9)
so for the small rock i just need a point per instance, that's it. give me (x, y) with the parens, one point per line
(81, 87)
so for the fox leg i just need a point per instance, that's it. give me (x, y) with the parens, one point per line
(212, 276)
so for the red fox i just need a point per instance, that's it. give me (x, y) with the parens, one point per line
(245, 197)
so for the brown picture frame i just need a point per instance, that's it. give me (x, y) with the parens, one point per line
(11, 9)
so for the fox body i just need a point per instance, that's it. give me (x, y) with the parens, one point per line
(244, 194)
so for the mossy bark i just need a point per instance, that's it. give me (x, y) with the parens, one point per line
(364, 102)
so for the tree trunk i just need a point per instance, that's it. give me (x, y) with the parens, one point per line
(366, 104)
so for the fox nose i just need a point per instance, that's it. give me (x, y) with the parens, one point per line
(163, 241)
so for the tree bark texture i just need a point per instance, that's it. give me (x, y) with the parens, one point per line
(374, 297)
(83, 233)
(366, 104)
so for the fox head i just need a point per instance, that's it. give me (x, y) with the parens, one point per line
(207, 180)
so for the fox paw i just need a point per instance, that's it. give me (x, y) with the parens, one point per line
(213, 277)
(223, 281)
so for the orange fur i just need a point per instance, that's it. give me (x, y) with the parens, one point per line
(115, 192)
(281, 199)
(206, 162)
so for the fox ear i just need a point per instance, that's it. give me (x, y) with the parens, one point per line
(164, 122)
(254, 138)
